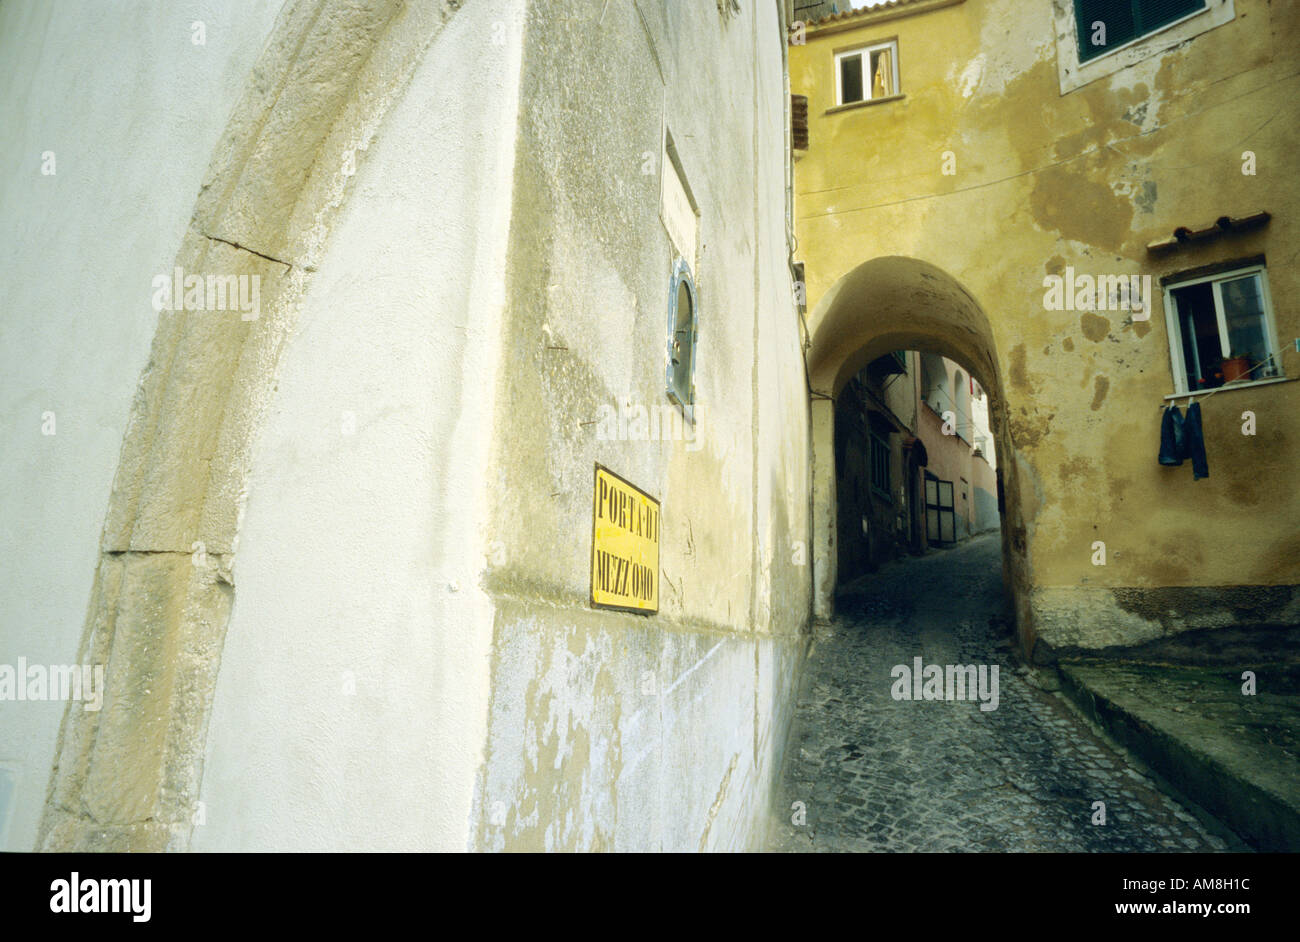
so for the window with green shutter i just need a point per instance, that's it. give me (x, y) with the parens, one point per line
(1108, 24)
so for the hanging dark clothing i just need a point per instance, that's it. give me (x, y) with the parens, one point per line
(1182, 438)
(1173, 447)
(1194, 441)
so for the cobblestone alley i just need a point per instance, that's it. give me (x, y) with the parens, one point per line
(878, 774)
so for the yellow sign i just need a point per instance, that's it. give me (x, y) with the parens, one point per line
(624, 546)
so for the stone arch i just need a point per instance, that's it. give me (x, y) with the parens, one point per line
(127, 778)
(899, 303)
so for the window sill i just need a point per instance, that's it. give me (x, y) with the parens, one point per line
(1218, 389)
(862, 104)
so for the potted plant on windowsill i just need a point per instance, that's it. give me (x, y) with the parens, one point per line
(1236, 366)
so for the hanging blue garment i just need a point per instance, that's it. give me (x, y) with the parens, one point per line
(1173, 446)
(1194, 442)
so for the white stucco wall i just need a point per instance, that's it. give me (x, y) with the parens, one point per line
(132, 110)
(359, 681)
(656, 732)
(350, 709)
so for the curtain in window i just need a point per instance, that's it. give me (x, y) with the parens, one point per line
(883, 82)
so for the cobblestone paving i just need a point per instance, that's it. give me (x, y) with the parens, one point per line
(876, 774)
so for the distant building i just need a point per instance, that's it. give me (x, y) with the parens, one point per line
(489, 528)
(910, 460)
(1090, 207)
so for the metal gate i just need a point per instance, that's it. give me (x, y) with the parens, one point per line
(940, 517)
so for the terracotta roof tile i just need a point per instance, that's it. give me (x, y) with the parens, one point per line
(862, 11)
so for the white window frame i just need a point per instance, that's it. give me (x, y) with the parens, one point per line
(865, 52)
(1074, 74)
(1178, 362)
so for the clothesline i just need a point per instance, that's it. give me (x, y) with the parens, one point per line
(1173, 401)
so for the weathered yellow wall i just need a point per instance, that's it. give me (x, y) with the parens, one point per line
(1088, 178)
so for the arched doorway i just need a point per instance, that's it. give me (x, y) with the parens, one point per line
(883, 305)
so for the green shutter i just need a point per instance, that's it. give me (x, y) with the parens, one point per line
(1153, 14)
(1125, 20)
(1117, 15)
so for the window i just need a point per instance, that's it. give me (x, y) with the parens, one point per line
(880, 465)
(1221, 329)
(866, 73)
(1105, 25)
(1134, 31)
(682, 334)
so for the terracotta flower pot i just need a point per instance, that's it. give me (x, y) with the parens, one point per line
(1236, 368)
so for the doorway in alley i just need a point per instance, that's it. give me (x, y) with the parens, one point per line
(910, 440)
(915, 463)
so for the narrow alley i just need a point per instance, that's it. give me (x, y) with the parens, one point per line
(866, 772)
(650, 427)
